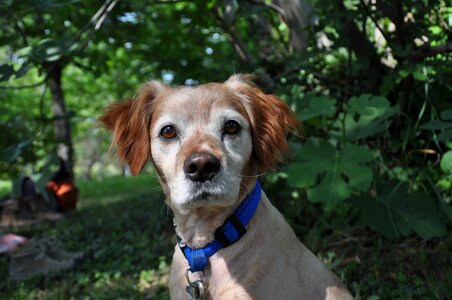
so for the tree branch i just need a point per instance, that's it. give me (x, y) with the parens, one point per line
(237, 43)
(272, 6)
(361, 46)
(26, 86)
(369, 14)
(428, 51)
(395, 13)
(97, 20)
(240, 47)
(93, 20)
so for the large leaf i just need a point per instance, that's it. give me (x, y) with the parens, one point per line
(445, 125)
(396, 212)
(331, 175)
(365, 115)
(317, 106)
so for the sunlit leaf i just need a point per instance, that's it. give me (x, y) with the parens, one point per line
(446, 162)
(418, 75)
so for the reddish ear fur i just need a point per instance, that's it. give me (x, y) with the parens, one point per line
(271, 120)
(129, 121)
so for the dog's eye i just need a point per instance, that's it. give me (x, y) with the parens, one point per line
(168, 132)
(231, 127)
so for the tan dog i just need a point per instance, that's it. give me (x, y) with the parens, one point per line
(208, 145)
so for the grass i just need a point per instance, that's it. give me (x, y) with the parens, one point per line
(127, 238)
(125, 230)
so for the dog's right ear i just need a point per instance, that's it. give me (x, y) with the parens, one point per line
(271, 120)
(130, 121)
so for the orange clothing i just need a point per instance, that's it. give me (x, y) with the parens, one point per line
(66, 193)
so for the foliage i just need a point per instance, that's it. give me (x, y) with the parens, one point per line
(372, 89)
(342, 172)
(371, 84)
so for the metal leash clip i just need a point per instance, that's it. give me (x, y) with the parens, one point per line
(196, 288)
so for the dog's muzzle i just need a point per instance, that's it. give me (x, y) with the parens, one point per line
(201, 167)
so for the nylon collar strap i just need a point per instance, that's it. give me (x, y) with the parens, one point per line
(233, 228)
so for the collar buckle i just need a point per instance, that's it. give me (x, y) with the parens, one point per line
(230, 232)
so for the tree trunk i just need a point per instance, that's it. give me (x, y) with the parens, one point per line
(62, 125)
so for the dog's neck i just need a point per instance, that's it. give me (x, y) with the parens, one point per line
(197, 227)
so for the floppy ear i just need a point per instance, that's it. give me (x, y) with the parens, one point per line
(271, 120)
(129, 121)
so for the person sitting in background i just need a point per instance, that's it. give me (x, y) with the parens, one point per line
(62, 187)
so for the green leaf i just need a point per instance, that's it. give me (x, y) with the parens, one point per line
(445, 135)
(53, 53)
(5, 72)
(395, 212)
(446, 115)
(446, 162)
(330, 175)
(318, 106)
(366, 115)
(418, 75)
(22, 70)
(436, 125)
(24, 51)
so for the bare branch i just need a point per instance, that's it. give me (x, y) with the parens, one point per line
(104, 15)
(99, 18)
(93, 19)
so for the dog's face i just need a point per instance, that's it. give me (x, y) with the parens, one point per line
(207, 143)
(200, 143)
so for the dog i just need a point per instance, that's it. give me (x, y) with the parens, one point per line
(209, 144)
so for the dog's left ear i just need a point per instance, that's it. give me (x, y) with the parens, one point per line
(271, 121)
(129, 121)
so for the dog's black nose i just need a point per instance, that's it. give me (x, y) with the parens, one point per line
(201, 167)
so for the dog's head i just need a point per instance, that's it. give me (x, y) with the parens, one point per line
(207, 143)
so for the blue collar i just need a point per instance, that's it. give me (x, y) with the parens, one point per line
(233, 228)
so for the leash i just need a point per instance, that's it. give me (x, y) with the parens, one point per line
(233, 228)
